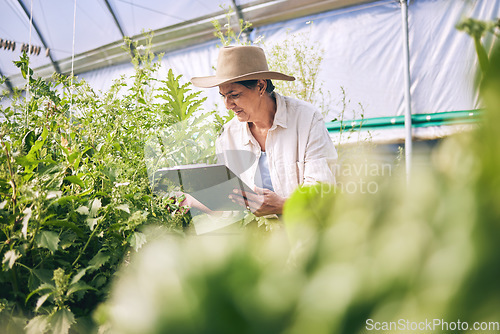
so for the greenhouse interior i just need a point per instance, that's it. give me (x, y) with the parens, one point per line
(250, 166)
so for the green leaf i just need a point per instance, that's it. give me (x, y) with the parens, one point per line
(28, 141)
(79, 286)
(10, 257)
(123, 207)
(73, 156)
(78, 276)
(48, 239)
(61, 321)
(42, 287)
(65, 223)
(38, 144)
(137, 240)
(74, 179)
(37, 325)
(98, 260)
(66, 199)
(44, 275)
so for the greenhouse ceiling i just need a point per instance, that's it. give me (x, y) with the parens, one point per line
(99, 27)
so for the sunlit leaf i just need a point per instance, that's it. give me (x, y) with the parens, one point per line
(10, 258)
(37, 325)
(95, 206)
(92, 222)
(137, 240)
(61, 321)
(123, 207)
(27, 215)
(83, 210)
(41, 300)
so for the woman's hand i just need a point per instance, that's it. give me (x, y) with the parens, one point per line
(263, 202)
(192, 202)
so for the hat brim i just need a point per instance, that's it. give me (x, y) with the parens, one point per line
(213, 81)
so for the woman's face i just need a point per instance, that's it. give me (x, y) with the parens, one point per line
(244, 102)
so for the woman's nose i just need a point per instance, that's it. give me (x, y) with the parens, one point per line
(229, 102)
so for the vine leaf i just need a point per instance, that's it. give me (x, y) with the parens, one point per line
(62, 320)
(48, 239)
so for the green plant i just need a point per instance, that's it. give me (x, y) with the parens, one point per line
(226, 33)
(74, 189)
(296, 55)
(477, 29)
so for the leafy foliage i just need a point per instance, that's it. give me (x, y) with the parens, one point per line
(226, 34)
(74, 188)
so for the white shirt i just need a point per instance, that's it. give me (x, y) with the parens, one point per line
(298, 148)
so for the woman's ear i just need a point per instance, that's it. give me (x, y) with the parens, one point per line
(262, 85)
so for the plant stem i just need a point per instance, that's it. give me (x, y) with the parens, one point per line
(86, 245)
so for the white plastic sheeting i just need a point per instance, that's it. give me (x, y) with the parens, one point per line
(95, 24)
(363, 54)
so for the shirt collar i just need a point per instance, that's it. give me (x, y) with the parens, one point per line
(280, 119)
(246, 135)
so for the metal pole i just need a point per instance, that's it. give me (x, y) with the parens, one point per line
(406, 62)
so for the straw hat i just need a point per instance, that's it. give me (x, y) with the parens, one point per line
(238, 63)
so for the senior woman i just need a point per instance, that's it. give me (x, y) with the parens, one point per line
(274, 143)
